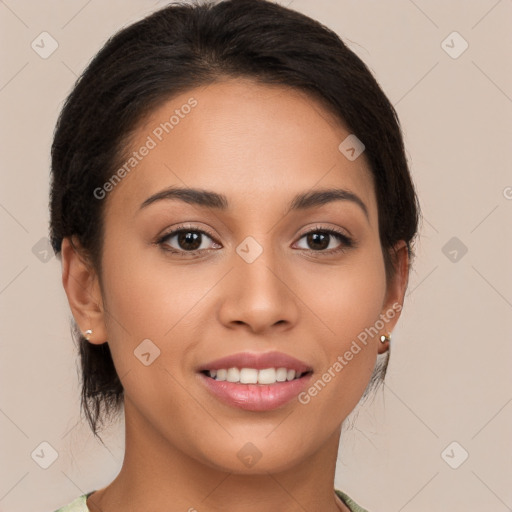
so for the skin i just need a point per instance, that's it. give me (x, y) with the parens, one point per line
(259, 145)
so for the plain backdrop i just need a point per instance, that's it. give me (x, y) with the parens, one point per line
(437, 435)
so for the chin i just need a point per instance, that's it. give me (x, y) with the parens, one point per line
(257, 457)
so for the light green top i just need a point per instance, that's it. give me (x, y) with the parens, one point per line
(351, 504)
(79, 504)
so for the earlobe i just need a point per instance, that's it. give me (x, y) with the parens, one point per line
(395, 293)
(82, 288)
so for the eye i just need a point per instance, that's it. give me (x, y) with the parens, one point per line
(186, 240)
(191, 241)
(321, 240)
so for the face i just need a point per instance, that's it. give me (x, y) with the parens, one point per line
(251, 272)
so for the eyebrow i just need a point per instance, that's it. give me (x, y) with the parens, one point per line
(209, 199)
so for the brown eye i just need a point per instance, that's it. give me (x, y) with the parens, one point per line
(321, 240)
(318, 241)
(189, 240)
(186, 241)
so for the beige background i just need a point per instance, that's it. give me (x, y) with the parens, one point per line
(449, 377)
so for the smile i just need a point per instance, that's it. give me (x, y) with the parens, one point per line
(254, 376)
(254, 390)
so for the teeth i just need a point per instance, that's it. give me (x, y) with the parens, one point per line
(247, 376)
(281, 374)
(233, 375)
(267, 376)
(253, 376)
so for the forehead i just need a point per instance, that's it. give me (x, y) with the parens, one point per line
(257, 144)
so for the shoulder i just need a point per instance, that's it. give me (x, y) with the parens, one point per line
(77, 505)
(351, 504)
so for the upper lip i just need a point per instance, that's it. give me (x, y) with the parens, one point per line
(259, 361)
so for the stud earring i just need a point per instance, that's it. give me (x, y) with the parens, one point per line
(385, 337)
(87, 334)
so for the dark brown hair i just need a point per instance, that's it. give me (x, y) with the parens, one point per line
(183, 46)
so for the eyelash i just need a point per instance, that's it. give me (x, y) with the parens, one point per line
(346, 242)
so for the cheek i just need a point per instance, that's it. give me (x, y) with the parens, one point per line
(148, 301)
(348, 298)
(151, 298)
(348, 303)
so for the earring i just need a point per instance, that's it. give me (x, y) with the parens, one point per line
(385, 337)
(87, 334)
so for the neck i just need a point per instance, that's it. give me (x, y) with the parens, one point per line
(157, 475)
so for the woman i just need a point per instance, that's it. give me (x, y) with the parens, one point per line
(235, 217)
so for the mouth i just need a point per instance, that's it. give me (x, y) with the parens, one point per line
(265, 376)
(255, 381)
(263, 392)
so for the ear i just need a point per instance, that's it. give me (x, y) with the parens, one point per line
(395, 291)
(83, 290)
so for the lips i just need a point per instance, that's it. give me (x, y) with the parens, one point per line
(256, 397)
(258, 361)
(250, 396)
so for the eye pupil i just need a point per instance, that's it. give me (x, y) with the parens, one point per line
(187, 237)
(319, 237)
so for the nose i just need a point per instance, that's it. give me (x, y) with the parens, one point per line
(258, 296)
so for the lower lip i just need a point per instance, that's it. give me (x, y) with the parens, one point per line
(256, 397)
